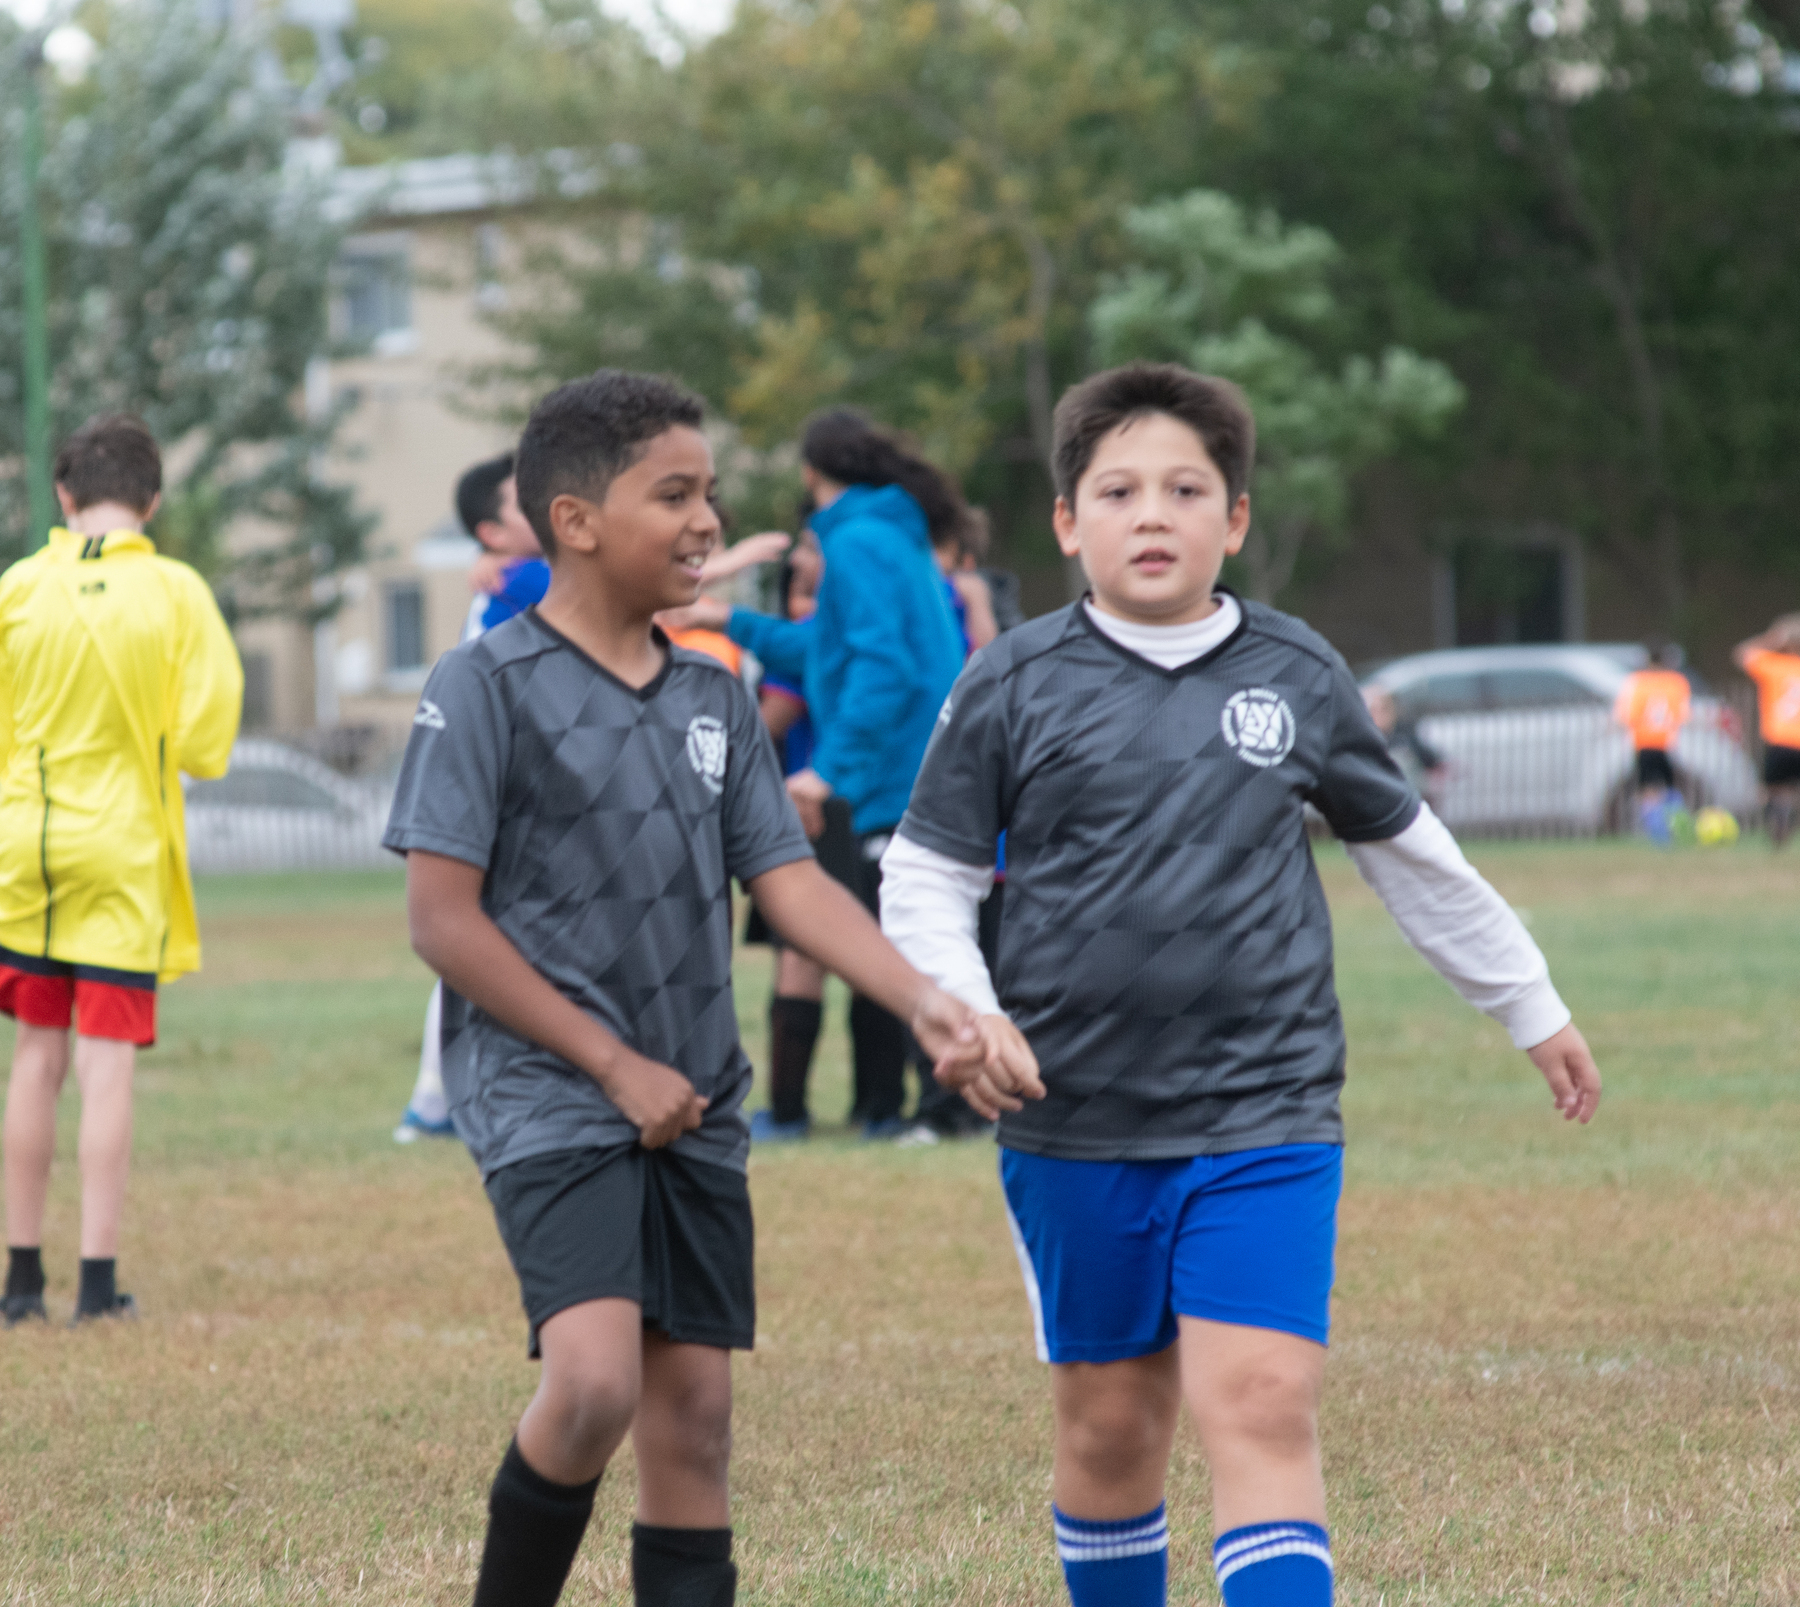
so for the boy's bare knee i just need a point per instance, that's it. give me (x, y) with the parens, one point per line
(688, 1421)
(1111, 1427)
(1272, 1403)
(591, 1406)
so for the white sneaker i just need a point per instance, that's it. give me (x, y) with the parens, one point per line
(921, 1135)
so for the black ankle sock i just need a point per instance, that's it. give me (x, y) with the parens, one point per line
(98, 1290)
(24, 1270)
(534, 1530)
(682, 1567)
(793, 1031)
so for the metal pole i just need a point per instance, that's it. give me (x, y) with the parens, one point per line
(37, 317)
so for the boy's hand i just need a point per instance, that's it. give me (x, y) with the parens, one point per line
(1568, 1066)
(950, 1032)
(488, 574)
(1007, 1074)
(809, 790)
(702, 614)
(656, 1099)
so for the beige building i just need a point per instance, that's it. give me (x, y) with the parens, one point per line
(411, 292)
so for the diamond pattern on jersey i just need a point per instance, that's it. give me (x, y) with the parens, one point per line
(609, 852)
(1164, 943)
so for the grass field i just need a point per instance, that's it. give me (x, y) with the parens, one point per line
(1566, 1364)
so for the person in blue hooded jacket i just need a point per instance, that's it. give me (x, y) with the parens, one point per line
(875, 661)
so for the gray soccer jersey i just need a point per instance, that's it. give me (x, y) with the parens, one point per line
(609, 822)
(1164, 941)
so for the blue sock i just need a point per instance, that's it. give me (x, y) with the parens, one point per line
(1123, 1563)
(1274, 1565)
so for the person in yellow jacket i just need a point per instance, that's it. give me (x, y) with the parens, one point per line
(117, 673)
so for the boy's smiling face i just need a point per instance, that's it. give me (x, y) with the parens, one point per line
(650, 536)
(1152, 522)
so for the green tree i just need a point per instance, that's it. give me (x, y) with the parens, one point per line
(918, 197)
(188, 271)
(1241, 296)
(1588, 211)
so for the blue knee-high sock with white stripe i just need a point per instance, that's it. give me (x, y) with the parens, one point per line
(1124, 1563)
(1274, 1565)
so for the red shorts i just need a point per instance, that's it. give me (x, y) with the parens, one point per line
(102, 1002)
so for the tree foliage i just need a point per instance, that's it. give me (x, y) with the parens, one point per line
(1585, 211)
(187, 273)
(1250, 300)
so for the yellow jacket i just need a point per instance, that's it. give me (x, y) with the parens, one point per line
(116, 673)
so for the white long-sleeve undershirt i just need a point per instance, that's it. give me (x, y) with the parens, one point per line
(1443, 906)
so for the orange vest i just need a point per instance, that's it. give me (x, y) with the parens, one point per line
(1777, 677)
(1653, 705)
(714, 644)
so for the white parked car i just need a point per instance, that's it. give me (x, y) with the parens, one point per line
(280, 809)
(1530, 747)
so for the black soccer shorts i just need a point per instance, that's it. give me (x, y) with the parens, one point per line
(627, 1223)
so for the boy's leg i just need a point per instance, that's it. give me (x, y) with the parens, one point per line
(681, 1543)
(1115, 1423)
(794, 1016)
(428, 1111)
(1254, 1394)
(543, 1495)
(1094, 1240)
(40, 1064)
(1251, 1284)
(103, 1069)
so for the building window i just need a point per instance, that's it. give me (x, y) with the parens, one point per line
(259, 692)
(405, 628)
(372, 293)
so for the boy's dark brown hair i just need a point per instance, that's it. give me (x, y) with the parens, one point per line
(583, 434)
(1214, 409)
(111, 458)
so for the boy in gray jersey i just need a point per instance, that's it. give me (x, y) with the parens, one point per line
(1166, 949)
(574, 801)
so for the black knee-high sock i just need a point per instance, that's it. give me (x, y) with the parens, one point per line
(24, 1270)
(793, 1032)
(534, 1530)
(682, 1567)
(878, 1046)
(99, 1288)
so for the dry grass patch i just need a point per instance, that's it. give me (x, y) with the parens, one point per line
(1565, 1364)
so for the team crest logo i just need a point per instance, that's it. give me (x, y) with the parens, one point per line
(430, 715)
(706, 750)
(1260, 725)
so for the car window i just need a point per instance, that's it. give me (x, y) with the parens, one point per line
(257, 787)
(1440, 694)
(1537, 689)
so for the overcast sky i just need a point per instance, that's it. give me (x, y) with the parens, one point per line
(699, 16)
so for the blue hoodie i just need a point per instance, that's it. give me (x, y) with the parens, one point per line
(877, 658)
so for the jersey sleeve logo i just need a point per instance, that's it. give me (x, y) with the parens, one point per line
(430, 715)
(706, 750)
(1259, 725)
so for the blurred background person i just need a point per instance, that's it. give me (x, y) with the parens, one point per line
(1772, 661)
(1653, 705)
(117, 675)
(1419, 762)
(875, 661)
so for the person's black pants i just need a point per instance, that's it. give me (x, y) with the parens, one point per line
(880, 1045)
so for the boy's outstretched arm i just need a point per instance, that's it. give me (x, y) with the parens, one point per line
(1475, 940)
(930, 910)
(982, 1056)
(454, 935)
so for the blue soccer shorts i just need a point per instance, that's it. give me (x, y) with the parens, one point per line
(1114, 1251)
